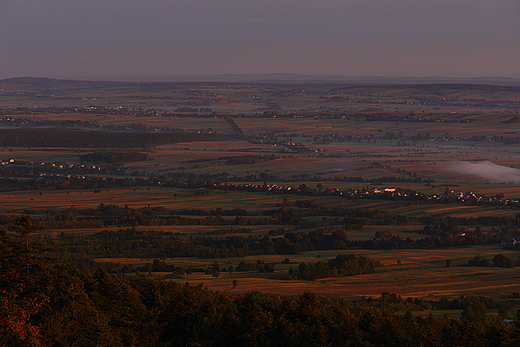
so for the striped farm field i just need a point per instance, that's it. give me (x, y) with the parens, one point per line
(324, 136)
(169, 198)
(421, 273)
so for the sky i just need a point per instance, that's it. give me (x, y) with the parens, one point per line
(391, 38)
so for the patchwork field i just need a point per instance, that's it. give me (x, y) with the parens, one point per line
(421, 274)
(317, 139)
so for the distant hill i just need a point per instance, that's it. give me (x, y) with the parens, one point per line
(52, 83)
(114, 81)
(303, 78)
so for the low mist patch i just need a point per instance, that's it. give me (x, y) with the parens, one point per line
(486, 170)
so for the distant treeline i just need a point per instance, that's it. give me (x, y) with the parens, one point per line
(157, 244)
(241, 159)
(511, 140)
(71, 138)
(304, 215)
(249, 159)
(499, 260)
(110, 214)
(342, 265)
(113, 157)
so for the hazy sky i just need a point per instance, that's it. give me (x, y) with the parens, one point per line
(408, 38)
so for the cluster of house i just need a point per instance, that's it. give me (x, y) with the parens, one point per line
(390, 193)
(381, 193)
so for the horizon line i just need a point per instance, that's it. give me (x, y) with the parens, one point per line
(274, 78)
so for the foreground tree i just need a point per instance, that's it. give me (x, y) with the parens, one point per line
(22, 275)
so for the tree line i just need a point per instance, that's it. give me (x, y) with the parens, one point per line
(72, 138)
(113, 157)
(342, 265)
(156, 244)
(498, 260)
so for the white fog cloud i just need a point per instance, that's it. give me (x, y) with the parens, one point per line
(485, 170)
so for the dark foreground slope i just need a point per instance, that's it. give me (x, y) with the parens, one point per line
(45, 305)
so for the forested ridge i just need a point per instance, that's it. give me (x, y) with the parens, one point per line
(42, 304)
